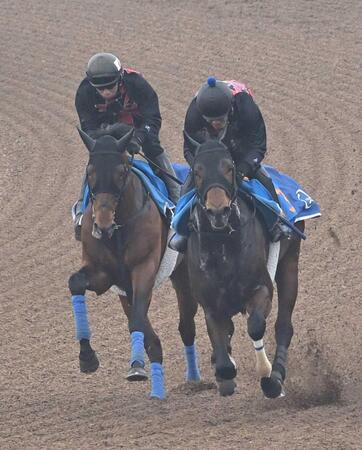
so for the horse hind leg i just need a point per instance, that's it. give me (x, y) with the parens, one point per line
(187, 306)
(259, 309)
(229, 347)
(142, 334)
(153, 349)
(154, 352)
(225, 367)
(287, 284)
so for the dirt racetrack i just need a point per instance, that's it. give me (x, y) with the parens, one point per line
(303, 61)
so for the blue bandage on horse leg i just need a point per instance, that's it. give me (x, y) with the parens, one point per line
(82, 330)
(192, 373)
(137, 347)
(158, 389)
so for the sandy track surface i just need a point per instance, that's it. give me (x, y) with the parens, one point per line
(303, 61)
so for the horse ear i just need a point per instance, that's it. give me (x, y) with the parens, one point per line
(124, 141)
(88, 141)
(194, 144)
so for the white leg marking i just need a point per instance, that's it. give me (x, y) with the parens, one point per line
(263, 366)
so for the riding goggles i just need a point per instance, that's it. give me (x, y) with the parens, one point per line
(102, 83)
(221, 120)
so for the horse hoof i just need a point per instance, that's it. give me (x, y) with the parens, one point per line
(272, 387)
(136, 374)
(89, 364)
(226, 387)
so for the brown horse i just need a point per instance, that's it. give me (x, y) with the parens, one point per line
(229, 259)
(123, 239)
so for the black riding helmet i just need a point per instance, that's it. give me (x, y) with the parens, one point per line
(104, 69)
(214, 99)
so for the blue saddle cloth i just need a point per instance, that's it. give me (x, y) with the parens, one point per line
(152, 183)
(181, 170)
(296, 204)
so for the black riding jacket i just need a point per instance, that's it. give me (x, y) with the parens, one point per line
(245, 135)
(136, 104)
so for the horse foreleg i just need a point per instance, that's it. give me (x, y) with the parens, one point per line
(287, 284)
(143, 278)
(225, 369)
(187, 307)
(78, 283)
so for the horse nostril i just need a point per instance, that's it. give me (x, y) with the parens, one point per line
(226, 210)
(210, 212)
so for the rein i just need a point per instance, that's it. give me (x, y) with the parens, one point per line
(138, 213)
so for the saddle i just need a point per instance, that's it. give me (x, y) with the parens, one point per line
(296, 204)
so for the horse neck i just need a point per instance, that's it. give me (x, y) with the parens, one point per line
(132, 199)
(253, 230)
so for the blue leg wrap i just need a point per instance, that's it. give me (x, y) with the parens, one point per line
(82, 330)
(137, 347)
(158, 389)
(192, 373)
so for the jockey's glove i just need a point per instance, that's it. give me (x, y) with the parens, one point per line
(134, 146)
(245, 170)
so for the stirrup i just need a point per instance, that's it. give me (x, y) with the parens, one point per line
(178, 243)
(78, 227)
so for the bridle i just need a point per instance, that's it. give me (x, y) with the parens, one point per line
(118, 195)
(224, 184)
(233, 192)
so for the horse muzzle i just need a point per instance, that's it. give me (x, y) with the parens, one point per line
(103, 233)
(219, 218)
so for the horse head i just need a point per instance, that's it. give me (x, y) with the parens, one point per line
(215, 181)
(107, 172)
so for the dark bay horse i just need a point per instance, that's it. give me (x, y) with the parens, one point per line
(228, 257)
(123, 240)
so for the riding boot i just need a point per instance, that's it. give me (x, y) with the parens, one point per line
(77, 210)
(164, 163)
(279, 230)
(178, 242)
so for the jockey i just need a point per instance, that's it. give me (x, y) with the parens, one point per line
(108, 98)
(226, 110)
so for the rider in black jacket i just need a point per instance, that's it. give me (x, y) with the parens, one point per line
(111, 97)
(227, 110)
